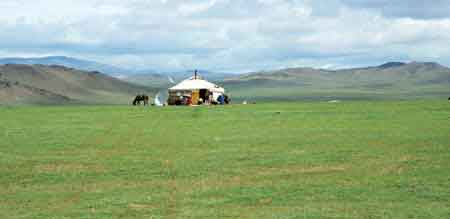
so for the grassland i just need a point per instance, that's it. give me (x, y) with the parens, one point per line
(358, 159)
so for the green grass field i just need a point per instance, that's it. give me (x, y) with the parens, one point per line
(357, 159)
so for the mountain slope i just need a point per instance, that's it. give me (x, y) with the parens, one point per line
(146, 77)
(16, 93)
(390, 80)
(68, 62)
(58, 84)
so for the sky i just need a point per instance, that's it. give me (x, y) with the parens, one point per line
(228, 35)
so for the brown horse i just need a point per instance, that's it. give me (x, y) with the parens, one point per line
(140, 98)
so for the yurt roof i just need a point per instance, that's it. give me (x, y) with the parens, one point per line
(197, 84)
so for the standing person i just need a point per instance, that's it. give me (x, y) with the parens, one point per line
(210, 97)
(188, 101)
(227, 99)
(221, 99)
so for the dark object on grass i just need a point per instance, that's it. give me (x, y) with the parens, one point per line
(227, 99)
(140, 98)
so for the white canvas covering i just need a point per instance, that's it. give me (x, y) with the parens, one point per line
(197, 84)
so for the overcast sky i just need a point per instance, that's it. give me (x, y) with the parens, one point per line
(228, 35)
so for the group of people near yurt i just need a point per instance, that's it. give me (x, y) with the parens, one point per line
(197, 91)
(208, 99)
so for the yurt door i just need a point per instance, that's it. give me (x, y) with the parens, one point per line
(195, 97)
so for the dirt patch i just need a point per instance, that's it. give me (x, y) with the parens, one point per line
(393, 169)
(408, 158)
(68, 167)
(265, 201)
(252, 177)
(136, 206)
(299, 170)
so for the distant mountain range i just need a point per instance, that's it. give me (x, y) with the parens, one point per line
(388, 73)
(127, 73)
(165, 80)
(49, 82)
(41, 84)
(69, 62)
(394, 80)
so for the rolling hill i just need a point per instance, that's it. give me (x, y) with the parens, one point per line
(69, 62)
(394, 80)
(146, 77)
(41, 84)
(50, 84)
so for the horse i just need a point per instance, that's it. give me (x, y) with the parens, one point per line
(140, 98)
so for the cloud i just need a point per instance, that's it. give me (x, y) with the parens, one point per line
(227, 35)
(421, 9)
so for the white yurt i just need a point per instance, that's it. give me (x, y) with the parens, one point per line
(194, 91)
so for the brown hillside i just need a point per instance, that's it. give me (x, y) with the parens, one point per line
(57, 84)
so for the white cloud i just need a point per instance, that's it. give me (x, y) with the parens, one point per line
(226, 34)
(189, 8)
